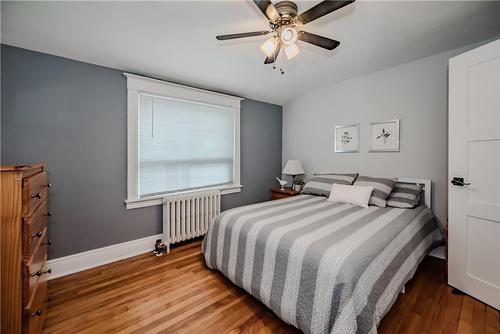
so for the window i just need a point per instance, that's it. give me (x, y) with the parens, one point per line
(183, 145)
(179, 139)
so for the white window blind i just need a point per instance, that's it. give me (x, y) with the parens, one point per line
(183, 145)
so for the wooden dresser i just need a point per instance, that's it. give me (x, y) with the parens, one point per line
(24, 215)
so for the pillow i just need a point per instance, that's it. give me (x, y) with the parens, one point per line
(357, 195)
(382, 187)
(405, 196)
(321, 184)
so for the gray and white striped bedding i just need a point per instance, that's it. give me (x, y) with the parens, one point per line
(323, 267)
(321, 184)
(405, 195)
(382, 187)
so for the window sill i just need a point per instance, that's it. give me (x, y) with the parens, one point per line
(158, 199)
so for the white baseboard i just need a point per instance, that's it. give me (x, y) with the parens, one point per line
(97, 257)
(438, 252)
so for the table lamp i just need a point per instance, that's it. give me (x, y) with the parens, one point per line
(293, 168)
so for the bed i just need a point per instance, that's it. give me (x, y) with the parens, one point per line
(321, 266)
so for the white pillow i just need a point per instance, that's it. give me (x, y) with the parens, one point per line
(357, 195)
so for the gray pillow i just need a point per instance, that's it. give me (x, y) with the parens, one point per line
(382, 187)
(321, 184)
(405, 196)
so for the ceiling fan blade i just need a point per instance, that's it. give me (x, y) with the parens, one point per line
(322, 9)
(323, 42)
(242, 35)
(270, 60)
(268, 9)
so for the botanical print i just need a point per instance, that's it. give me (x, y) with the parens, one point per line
(384, 136)
(346, 138)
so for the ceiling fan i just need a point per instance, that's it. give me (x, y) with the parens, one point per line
(284, 21)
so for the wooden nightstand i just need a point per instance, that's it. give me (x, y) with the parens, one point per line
(287, 192)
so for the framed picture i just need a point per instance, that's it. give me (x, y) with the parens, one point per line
(346, 138)
(384, 136)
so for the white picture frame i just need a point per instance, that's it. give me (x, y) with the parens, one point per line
(346, 138)
(384, 136)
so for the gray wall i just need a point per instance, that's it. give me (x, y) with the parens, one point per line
(73, 116)
(416, 93)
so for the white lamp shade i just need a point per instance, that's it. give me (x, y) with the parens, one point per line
(269, 46)
(289, 36)
(291, 50)
(293, 167)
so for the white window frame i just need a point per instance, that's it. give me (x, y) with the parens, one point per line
(137, 84)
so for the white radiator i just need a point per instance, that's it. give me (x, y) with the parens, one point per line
(188, 215)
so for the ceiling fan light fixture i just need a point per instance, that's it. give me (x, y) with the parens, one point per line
(291, 50)
(269, 46)
(284, 20)
(289, 36)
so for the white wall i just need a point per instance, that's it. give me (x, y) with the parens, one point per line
(415, 92)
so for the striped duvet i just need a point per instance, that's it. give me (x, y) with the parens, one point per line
(323, 267)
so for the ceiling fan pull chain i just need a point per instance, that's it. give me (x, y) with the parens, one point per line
(275, 61)
(274, 55)
(282, 63)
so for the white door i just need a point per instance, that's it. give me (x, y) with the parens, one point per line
(474, 155)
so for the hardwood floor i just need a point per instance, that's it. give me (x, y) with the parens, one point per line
(176, 293)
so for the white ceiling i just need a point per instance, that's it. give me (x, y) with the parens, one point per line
(176, 41)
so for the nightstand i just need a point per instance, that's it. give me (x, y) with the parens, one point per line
(287, 192)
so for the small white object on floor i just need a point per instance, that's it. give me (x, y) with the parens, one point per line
(403, 291)
(438, 252)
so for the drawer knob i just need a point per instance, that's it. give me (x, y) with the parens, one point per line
(40, 273)
(37, 234)
(37, 195)
(37, 313)
(48, 214)
(47, 243)
(49, 185)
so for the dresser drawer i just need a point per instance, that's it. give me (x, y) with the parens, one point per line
(35, 269)
(34, 312)
(35, 191)
(33, 228)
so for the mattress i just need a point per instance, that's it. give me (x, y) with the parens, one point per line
(323, 267)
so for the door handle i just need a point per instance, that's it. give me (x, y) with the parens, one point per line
(459, 181)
